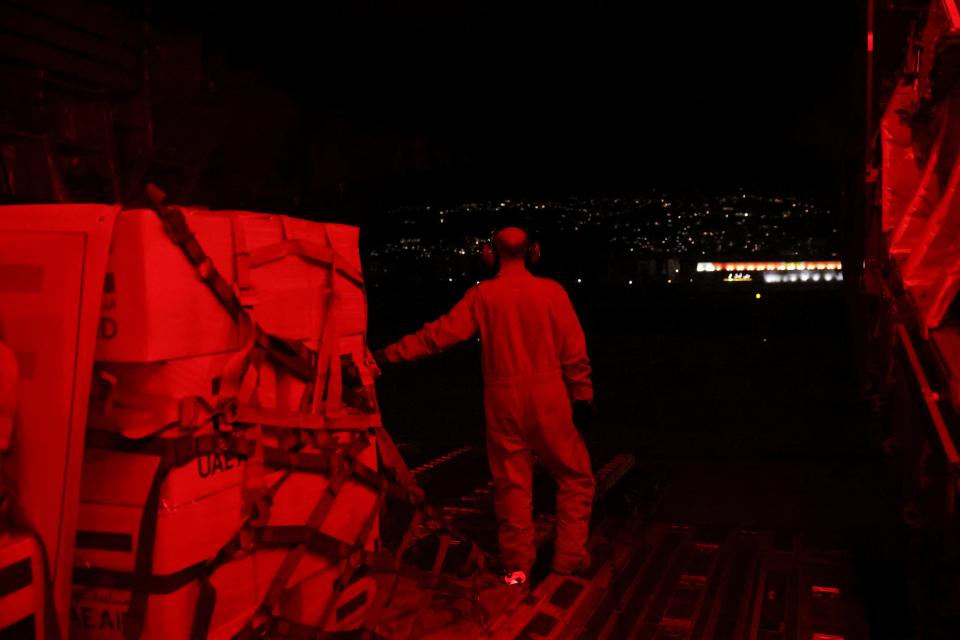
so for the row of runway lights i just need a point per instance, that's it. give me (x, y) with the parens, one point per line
(804, 276)
(796, 276)
(833, 265)
(773, 278)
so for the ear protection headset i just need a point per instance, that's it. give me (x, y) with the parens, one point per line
(491, 257)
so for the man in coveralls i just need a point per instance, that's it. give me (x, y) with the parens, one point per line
(536, 386)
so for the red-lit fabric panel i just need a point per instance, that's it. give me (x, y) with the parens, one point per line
(901, 171)
(54, 257)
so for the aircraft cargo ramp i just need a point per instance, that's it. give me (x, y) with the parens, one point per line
(650, 579)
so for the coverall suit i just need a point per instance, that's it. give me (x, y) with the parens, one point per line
(534, 364)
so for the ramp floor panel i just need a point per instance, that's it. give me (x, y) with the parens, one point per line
(654, 581)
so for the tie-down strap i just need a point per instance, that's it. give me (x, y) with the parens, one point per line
(361, 561)
(192, 412)
(173, 452)
(296, 357)
(307, 250)
(178, 451)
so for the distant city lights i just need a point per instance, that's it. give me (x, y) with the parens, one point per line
(651, 237)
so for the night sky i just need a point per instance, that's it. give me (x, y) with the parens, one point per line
(508, 98)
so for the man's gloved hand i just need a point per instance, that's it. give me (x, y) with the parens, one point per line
(583, 414)
(380, 358)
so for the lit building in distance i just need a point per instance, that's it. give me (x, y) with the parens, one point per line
(799, 272)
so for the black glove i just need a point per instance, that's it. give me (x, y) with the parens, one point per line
(583, 414)
(380, 358)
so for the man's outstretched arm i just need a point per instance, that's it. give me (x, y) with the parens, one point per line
(441, 334)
